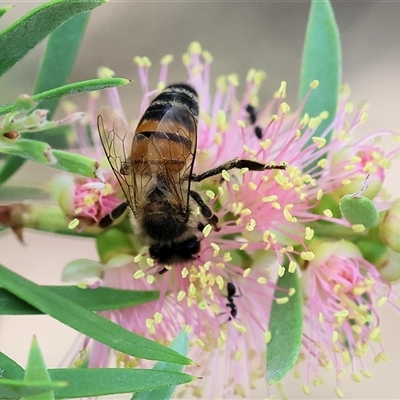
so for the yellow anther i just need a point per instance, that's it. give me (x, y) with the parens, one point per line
(150, 262)
(358, 228)
(339, 393)
(225, 175)
(309, 233)
(305, 388)
(210, 194)
(307, 255)
(207, 230)
(137, 258)
(320, 142)
(181, 295)
(363, 117)
(252, 186)
(73, 224)
(207, 56)
(167, 59)
(268, 199)
(244, 246)
(150, 279)
(138, 274)
(292, 267)
(285, 107)
(266, 144)
(233, 79)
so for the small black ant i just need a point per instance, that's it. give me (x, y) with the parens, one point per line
(231, 291)
(253, 118)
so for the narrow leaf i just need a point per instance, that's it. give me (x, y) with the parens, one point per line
(86, 322)
(71, 89)
(36, 371)
(100, 299)
(58, 60)
(42, 153)
(322, 61)
(11, 370)
(13, 389)
(20, 37)
(59, 57)
(4, 9)
(61, 51)
(286, 327)
(180, 344)
(93, 382)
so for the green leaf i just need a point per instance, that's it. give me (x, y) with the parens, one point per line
(93, 382)
(61, 51)
(9, 167)
(42, 153)
(36, 371)
(11, 370)
(322, 61)
(71, 89)
(20, 37)
(86, 322)
(13, 389)
(5, 9)
(100, 299)
(286, 327)
(181, 345)
(59, 57)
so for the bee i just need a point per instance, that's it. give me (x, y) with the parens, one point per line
(253, 118)
(231, 293)
(155, 172)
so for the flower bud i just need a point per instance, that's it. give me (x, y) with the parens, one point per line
(388, 265)
(113, 242)
(359, 156)
(390, 226)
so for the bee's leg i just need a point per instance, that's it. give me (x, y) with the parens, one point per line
(236, 163)
(108, 219)
(205, 210)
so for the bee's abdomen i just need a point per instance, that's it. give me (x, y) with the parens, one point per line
(178, 94)
(167, 132)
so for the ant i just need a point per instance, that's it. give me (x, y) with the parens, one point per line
(231, 291)
(253, 118)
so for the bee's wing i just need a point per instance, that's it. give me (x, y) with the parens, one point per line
(116, 138)
(170, 151)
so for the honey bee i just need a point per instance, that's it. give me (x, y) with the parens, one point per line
(156, 171)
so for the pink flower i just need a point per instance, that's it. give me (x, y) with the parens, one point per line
(342, 291)
(267, 220)
(86, 200)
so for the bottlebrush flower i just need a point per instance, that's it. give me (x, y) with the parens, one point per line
(268, 220)
(342, 291)
(86, 201)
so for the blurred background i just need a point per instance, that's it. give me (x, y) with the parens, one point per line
(264, 35)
